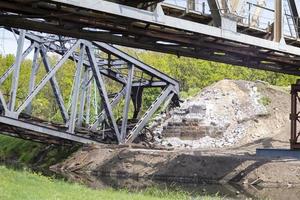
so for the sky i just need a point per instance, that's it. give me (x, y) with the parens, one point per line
(8, 40)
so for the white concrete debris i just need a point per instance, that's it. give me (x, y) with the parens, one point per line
(218, 116)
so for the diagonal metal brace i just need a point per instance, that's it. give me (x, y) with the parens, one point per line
(113, 103)
(55, 86)
(47, 77)
(152, 109)
(102, 91)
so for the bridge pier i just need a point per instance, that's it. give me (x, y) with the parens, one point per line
(295, 115)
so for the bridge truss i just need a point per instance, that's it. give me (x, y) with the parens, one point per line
(228, 31)
(90, 116)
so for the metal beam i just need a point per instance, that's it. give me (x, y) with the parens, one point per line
(180, 51)
(34, 69)
(55, 86)
(88, 98)
(3, 103)
(143, 121)
(215, 12)
(17, 66)
(102, 91)
(48, 76)
(295, 12)
(278, 23)
(177, 23)
(45, 130)
(83, 96)
(11, 68)
(75, 95)
(102, 115)
(138, 64)
(127, 102)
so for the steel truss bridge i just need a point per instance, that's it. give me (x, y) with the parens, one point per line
(256, 34)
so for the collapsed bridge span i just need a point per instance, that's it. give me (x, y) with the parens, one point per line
(90, 115)
(256, 34)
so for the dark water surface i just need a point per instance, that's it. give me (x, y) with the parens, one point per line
(228, 191)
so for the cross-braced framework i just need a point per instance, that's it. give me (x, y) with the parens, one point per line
(295, 115)
(108, 84)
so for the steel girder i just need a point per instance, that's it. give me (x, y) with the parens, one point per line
(154, 29)
(96, 66)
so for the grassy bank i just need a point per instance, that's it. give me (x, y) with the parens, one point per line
(24, 185)
(32, 153)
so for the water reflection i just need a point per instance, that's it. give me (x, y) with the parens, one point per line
(229, 191)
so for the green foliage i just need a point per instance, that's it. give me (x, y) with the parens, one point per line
(195, 74)
(192, 74)
(23, 185)
(265, 100)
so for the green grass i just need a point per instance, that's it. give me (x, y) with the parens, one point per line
(32, 153)
(24, 185)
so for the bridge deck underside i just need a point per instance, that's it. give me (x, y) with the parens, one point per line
(161, 28)
(189, 35)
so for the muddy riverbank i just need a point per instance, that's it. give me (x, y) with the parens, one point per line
(230, 172)
(218, 166)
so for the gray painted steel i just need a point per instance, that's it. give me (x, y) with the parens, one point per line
(222, 37)
(82, 123)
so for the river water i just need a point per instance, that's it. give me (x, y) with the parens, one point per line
(228, 191)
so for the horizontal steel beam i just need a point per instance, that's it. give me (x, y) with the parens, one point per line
(44, 130)
(192, 39)
(160, 19)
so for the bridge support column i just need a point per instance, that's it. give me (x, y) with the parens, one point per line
(295, 115)
(278, 24)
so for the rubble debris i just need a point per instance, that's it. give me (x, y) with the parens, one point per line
(221, 115)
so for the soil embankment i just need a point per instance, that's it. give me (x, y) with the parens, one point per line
(212, 139)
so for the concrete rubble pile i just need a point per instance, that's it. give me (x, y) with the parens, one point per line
(218, 116)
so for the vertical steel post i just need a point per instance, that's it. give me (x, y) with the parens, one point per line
(101, 117)
(3, 103)
(34, 70)
(127, 102)
(191, 5)
(88, 98)
(75, 94)
(12, 67)
(294, 115)
(295, 14)
(224, 6)
(215, 8)
(95, 98)
(278, 23)
(82, 97)
(15, 78)
(103, 92)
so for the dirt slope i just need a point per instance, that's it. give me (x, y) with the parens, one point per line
(227, 121)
